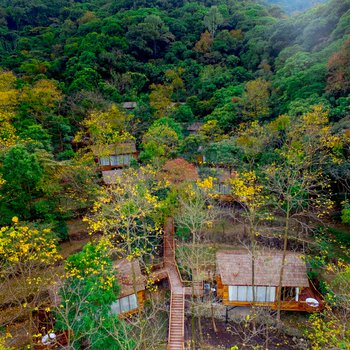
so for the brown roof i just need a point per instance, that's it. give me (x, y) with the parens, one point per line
(195, 126)
(235, 268)
(125, 276)
(114, 149)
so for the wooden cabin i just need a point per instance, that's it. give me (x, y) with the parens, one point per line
(235, 285)
(132, 288)
(129, 105)
(194, 128)
(112, 159)
(115, 156)
(222, 182)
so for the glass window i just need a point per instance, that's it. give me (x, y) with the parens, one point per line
(260, 294)
(115, 308)
(242, 293)
(232, 293)
(119, 160)
(124, 305)
(104, 161)
(250, 294)
(133, 302)
(127, 159)
(271, 294)
(245, 293)
(114, 160)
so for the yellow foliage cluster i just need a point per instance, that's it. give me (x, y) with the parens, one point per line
(8, 92)
(43, 95)
(206, 184)
(245, 186)
(24, 245)
(160, 100)
(328, 332)
(3, 342)
(128, 213)
(106, 127)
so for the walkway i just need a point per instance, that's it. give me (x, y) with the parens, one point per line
(176, 332)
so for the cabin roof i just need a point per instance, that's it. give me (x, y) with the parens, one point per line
(129, 105)
(194, 126)
(235, 268)
(124, 269)
(114, 149)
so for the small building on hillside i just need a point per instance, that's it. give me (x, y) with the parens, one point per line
(129, 105)
(222, 182)
(132, 288)
(112, 159)
(115, 156)
(235, 282)
(194, 128)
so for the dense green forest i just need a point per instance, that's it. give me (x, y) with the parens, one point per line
(201, 88)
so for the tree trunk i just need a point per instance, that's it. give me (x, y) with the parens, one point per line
(285, 244)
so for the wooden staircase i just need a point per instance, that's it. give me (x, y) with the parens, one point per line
(176, 322)
(176, 333)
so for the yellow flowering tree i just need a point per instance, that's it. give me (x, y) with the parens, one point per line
(195, 213)
(28, 255)
(299, 189)
(100, 130)
(8, 103)
(129, 214)
(252, 139)
(195, 208)
(331, 328)
(41, 98)
(247, 190)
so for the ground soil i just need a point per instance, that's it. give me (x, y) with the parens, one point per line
(228, 336)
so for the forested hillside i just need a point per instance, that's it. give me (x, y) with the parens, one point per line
(296, 6)
(234, 119)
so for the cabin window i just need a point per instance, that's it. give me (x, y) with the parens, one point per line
(116, 160)
(104, 161)
(127, 159)
(124, 304)
(113, 160)
(222, 188)
(245, 293)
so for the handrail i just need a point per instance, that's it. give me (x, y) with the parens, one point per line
(171, 302)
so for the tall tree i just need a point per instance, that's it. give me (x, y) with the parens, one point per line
(87, 294)
(297, 184)
(22, 173)
(255, 99)
(28, 255)
(213, 20)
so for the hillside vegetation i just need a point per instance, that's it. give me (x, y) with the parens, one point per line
(267, 96)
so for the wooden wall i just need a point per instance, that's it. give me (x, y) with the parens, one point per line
(222, 292)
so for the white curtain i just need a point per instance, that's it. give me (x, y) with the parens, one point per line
(245, 293)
